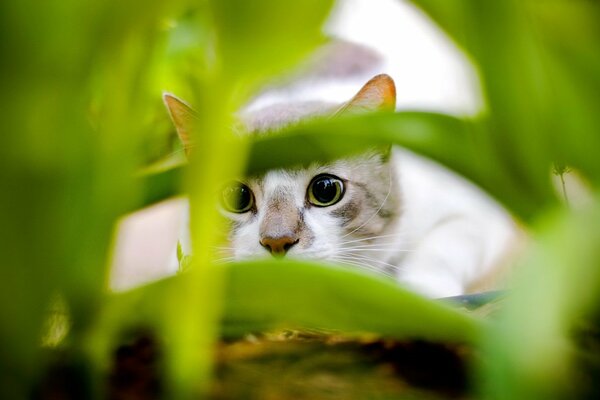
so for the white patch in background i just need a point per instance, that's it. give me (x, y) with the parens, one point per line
(430, 72)
(146, 243)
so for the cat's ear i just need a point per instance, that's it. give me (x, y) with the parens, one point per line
(379, 94)
(184, 118)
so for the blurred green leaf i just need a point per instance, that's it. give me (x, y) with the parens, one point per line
(158, 186)
(568, 33)
(518, 87)
(454, 142)
(271, 293)
(71, 103)
(457, 143)
(264, 294)
(534, 344)
(259, 39)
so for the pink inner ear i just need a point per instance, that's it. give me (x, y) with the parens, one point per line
(377, 94)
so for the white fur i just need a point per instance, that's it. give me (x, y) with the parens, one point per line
(459, 234)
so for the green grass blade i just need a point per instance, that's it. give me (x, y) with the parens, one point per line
(272, 293)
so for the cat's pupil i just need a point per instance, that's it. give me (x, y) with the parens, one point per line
(325, 190)
(237, 198)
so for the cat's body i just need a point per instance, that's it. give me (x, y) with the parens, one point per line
(387, 211)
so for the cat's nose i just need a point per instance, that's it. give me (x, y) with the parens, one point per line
(278, 246)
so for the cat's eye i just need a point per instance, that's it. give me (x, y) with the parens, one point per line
(325, 190)
(237, 197)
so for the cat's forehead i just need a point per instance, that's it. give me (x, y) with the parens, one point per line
(257, 120)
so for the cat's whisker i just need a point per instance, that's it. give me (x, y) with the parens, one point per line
(367, 260)
(222, 253)
(188, 146)
(363, 262)
(361, 265)
(374, 246)
(381, 250)
(176, 152)
(314, 255)
(223, 248)
(368, 267)
(372, 238)
(352, 245)
(223, 260)
(378, 247)
(370, 259)
(393, 246)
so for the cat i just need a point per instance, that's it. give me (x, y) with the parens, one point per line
(387, 210)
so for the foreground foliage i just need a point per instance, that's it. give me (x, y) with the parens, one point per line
(82, 112)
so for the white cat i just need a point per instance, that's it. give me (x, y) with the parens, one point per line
(388, 211)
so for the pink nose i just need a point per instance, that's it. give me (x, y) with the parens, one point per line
(278, 246)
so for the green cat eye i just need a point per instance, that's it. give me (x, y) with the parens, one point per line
(325, 190)
(237, 197)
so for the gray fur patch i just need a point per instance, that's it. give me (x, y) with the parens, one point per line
(348, 212)
(278, 116)
(371, 198)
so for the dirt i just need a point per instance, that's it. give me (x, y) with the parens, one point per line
(302, 365)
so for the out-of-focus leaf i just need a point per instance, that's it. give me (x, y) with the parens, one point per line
(518, 87)
(265, 294)
(540, 68)
(533, 344)
(270, 293)
(69, 110)
(158, 186)
(569, 34)
(329, 139)
(259, 38)
(457, 143)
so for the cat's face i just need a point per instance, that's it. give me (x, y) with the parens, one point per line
(315, 212)
(326, 211)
